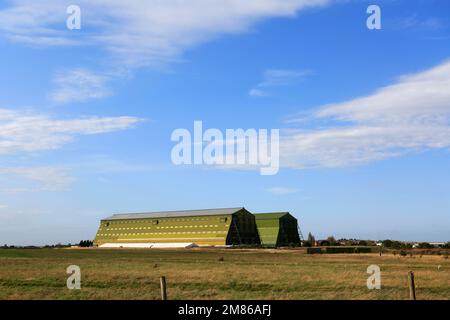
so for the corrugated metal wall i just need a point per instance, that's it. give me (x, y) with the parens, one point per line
(204, 230)
(215, 230)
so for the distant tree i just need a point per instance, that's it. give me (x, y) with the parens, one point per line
(397, 245)
(387, 243)
(331, 240)
(86, 243)
(447, 245)
(425, 245)
(311, 239)
(408, 245)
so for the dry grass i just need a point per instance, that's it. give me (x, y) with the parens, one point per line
(216, 274)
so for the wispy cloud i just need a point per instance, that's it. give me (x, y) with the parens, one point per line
(282, 190)
(276, 78)
(415, 21)
(411, 115)
(257, 93)
(140, 33)
(79, 85)
(34, 179)
(29, 132)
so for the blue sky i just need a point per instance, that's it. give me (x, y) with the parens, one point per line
(86, 115)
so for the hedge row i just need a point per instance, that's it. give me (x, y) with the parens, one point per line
(332, 250)
(313, 250)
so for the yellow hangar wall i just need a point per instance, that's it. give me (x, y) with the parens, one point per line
(208, 230)
(215, 227)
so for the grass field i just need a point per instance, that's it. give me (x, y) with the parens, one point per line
(216, 274)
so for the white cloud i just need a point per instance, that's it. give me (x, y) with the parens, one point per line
(138, 32)
(257, 93)
(276, 78)
(33, 179)
(27, 132)
(418, 22)
(279, 77)
(79, 85)
(134, 33)
(282, 190)
(411, 115)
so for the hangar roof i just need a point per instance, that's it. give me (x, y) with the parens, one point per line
(173, 214)
(271, 215)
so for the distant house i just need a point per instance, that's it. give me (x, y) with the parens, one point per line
(437, 244)
(432, 244)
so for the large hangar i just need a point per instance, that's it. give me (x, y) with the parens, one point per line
(277, 229)
(209, 227)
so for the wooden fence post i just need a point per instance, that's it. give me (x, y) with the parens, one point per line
(163, 288)
(412, 286)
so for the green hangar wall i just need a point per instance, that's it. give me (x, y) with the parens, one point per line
(277, 229)
(210, 227)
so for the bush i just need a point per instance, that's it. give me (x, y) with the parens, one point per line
(387, 243)
(86, 243)
(394, 244)
(403, 253)
(425, 245)
(340, 250)
(397, 245)
(363, 250)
